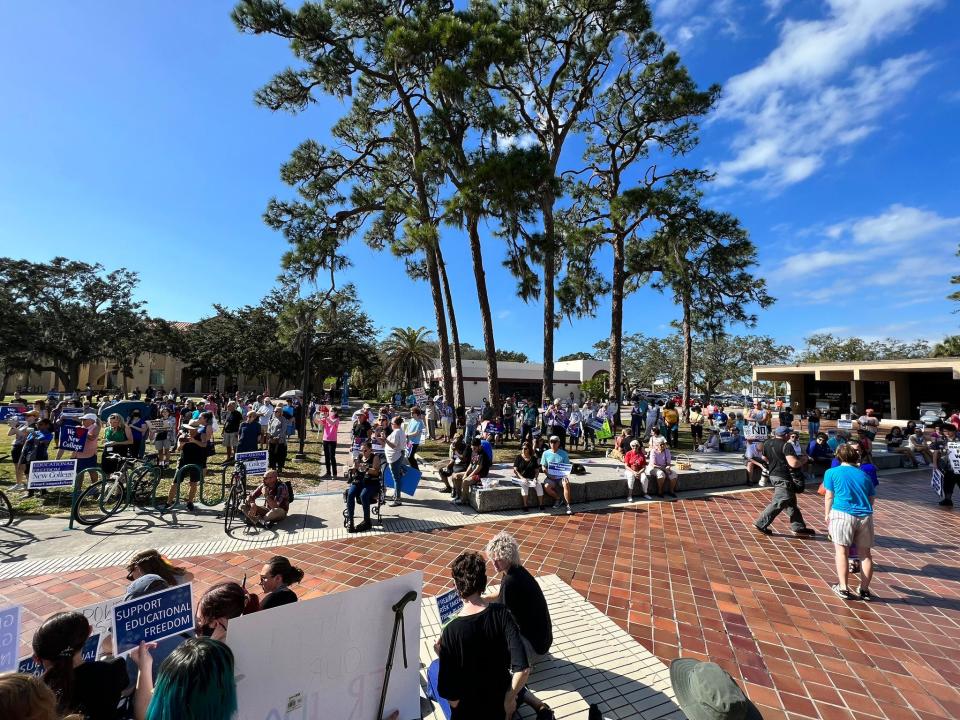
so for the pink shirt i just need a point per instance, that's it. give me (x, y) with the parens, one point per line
(330, 429)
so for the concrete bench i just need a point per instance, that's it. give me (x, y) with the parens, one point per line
(604, 481)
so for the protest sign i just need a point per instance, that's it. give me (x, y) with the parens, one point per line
(754, 431)
(604, 432)
(51, 474)
(936, 482)
(152, 617)
(448, 605)
(29, 666)
(71, 413)
(409, 481)
(559, 470)
(8, 412)
(158, 425)
(844, 424)
(9, 638)
(420, 395)
(318, 654)
(255, 461)
(72, 437)
(953, 453)
(594, 423)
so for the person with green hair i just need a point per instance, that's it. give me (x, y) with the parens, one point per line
(195, 682)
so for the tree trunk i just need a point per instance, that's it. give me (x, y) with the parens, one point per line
(549, 278)
(489, 346)
(3, 385)
(616, 320)
(436, 294)
(458, 395)
(687, 354)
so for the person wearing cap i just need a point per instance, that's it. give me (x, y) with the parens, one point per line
(556, 455)
(705, 691)
(781, 457)
(20, 431)
(634, 463)
(87, 457)
(659, 468)
(193, 456)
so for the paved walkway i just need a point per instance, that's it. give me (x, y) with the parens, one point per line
(688, 578)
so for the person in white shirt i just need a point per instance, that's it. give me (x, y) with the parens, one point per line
(394, 447)
(756, 463)
(265, 412)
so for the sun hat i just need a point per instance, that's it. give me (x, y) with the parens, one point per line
(781, 431)
(705, 691)
(366, 406)
(634, 443)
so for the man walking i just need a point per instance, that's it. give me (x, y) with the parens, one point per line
(781, 457)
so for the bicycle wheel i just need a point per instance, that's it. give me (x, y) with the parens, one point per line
(6, 511)
(98, 502)
(144, 482)
(231, 509)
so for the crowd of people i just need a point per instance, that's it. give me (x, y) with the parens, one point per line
(157, 681)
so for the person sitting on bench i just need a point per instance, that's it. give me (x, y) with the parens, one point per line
(660, 467)
(276, 501)
(634, 463)
(479, 468)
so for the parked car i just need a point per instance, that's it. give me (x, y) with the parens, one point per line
(931, 412)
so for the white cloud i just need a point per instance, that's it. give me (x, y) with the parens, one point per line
(682, 21)
(802, 264)
(503, 314)
(774, 7)
(795, 116)
(899, 224)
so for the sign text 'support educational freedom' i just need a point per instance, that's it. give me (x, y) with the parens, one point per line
(153, 617)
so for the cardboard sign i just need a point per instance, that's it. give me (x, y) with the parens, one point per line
(72, 437)
(71, 413)
(152, 617)
(9, 638)
(753, 431)
(51, 474)
(255, 461)
(158, 425)
(420, 395)
(315, 653)
(448, 605)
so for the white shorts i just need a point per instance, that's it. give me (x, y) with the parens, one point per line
(847, 529)
(525, 485)
(230, 440)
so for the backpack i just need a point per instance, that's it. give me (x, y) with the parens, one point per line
(289, 485)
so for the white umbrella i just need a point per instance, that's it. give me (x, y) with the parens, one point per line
(291, 393)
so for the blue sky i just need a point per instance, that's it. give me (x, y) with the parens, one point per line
(128, 136)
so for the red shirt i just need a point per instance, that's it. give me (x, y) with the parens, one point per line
(635, 460)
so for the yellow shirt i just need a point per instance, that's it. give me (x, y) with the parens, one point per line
(671, 417)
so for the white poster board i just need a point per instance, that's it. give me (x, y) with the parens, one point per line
(51, 474)
(754, 431)
(325, 657)
(845, 425)
(953, 453)
(254, 461)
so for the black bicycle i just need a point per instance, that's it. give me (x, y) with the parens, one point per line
(6, 510)
(135, 482)
(233, 506)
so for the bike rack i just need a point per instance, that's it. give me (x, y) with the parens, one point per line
(197, 469)
(93, 470)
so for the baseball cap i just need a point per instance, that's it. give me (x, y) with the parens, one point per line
(781, 431)
(89, 416)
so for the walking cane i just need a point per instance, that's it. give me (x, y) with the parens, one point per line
(398, 624)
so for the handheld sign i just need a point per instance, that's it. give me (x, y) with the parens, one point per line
(936, 482)
(448, 605)
(9, 638)
(72, 437)
(255, 461)
(420, 395)
(51, 474)
(158, 425)
(29, 666)
(559, 470)
(953, 453)
(71, 413)
(152, 617)
(844, 424)
(755, 431)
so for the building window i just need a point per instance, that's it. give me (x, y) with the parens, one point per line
(156, 377)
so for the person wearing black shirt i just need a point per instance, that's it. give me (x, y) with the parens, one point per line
(231, 430)
(483, 664)
(479, 468)
(781, 457)
(193, 456)
(275, 576)
(526, 468)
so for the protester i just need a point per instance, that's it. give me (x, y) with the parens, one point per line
(277, 440)
(25, 697)
(483, 663)
(118, 440)
(735, 443)
(635, 463)
(220, 604)
(198, 674)
(414, 431)
(139, 431)
(248, 437)
(557, 422)
(90, 688)
(231, 430)
(276, 501)
(163, 437)
(478, 469)
(331, 426)
(781, 458)
(918, 446)
(819, 453)
(756, 464)
(653, 418)
(621, 445)
(671, 419)
(151, 562)
(457, 461)
(813, 421)
(509, 415)
(193, 458)
(660, 468)
(696, 425)
(848, 511)
(526, 468)
(712, 445)
(945, 464)
(524, 598)
(555, 478)
(364, 484)
(868, 424)
(275, 578)
(395, 445)
(528, 422)
(638, 414)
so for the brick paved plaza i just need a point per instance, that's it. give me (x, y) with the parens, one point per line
(685, 579)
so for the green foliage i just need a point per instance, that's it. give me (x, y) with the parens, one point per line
(948, 347)
(595, 388)
(407, 356)
(825, 347)
(511, 356)
(576, 356)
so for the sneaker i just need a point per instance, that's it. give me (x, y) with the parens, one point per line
(841, 592)
(647, 497)
(556, 504)
(629, 498)
(946, 502)
(764, 530)
(569, 510)
(865, 594)
(672, 495)
(763, 483)
(190, 506)
(804, 532)
(526, 509)
(364, 526)
(457, 501)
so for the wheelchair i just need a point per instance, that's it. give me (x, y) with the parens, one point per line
(375, 505)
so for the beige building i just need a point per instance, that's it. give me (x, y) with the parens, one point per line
(895, 389)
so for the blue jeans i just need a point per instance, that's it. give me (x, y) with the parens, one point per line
(397, 470)
(367, 494)
(813, 428)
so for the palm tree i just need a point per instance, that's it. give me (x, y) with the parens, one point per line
(408, 354)
(948, 347)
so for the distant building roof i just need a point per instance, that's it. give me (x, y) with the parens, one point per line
(181, 325)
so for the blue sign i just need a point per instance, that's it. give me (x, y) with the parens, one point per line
(51, 474)
(409, 481)
(72, 437)
(448, 605)
(11, 411)
(9, 638)
(255, 461)
(152, 617)
(29, 666)
(559, 470)
(90, 647)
